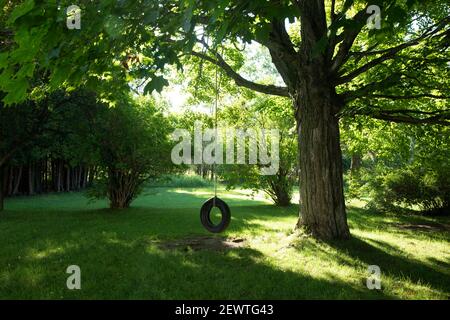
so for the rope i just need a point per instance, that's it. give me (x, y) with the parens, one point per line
(216, 131)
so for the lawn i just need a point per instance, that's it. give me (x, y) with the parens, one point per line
(126, 254)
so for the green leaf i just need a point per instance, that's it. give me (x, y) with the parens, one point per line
(29, 41)
(54, 53)
(59, 75)
(21, 10)
(222, 31)
(3, 59)
(262, 32)
(150, 17)
(187, 17)
(5, 78)
(17, 91)
(22, 55)
(27, 70)
(157, 83)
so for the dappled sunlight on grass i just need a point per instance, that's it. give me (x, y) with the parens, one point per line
(120, 257)
(36, 254)
(235, 194)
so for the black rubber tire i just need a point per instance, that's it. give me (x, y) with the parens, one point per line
(205, 215)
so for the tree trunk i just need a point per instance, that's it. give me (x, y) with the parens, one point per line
(18, 180)
(91, 176)
(38, 176)
(282, 198)
(280, 189)
(80, 175)
(322, 207)
(84, 177)
(59, 178)
(30, 179)
(356, 163)
(119, 202)
(121, 189)
(68, 179)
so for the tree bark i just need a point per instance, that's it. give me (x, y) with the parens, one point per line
(58, 183)
(280, 189)
(121, 189)
(310, 81)
(18, 180)
(30, 179)
(356, 163)
(322, 207)
(68, 179)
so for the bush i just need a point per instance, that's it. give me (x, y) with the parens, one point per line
(412, 186)
(133, 146)
(263, 112)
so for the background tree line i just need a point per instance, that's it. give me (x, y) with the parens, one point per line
(69, 141)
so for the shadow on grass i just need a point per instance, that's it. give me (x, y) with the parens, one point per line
(116, 268)
(442, 264)
(118, 260)
(361, 214)
(182, 221)
(374, 252)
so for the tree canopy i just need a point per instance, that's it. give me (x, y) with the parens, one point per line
(376, 72)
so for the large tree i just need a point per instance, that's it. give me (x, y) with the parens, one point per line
(331, 63)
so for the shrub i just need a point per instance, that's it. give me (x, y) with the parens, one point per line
(412, 186)
(263, 112)
(133, 147)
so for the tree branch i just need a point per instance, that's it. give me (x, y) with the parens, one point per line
(348, 37)
(333, 11)
(411, 120)
(241, 81)
(283, 54)
(406, 116)
(392, 52)
(407, 97)
(387, 82)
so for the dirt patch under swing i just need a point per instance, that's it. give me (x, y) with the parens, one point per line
(197, 243)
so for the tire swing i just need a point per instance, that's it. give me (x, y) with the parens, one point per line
(215, 202)
(205, 215)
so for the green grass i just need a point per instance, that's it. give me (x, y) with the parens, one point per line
(119, 256)
(180, 181)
